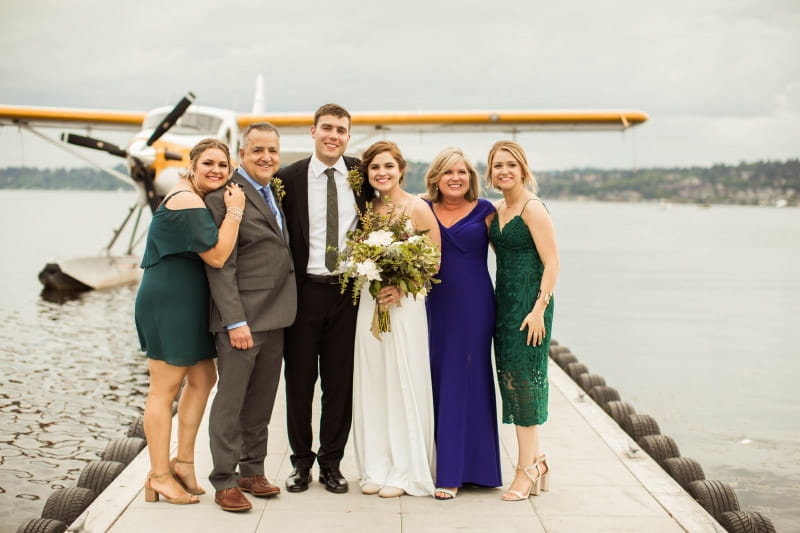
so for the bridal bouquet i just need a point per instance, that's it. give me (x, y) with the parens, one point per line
(385, 251)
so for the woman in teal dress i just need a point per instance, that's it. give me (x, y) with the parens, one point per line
(172, 315)
(527, 266)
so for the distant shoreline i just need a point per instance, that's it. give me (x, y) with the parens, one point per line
(764, 183)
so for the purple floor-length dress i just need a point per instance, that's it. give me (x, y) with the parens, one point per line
(461, 313)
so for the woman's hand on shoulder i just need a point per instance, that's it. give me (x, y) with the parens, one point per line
(234, 196)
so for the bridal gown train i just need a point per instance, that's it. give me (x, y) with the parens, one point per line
(392, 399)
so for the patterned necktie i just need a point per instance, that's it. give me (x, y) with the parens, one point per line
(267, 194)
(331, 224)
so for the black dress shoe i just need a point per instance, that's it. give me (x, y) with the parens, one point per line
(299, 479)
(333, 480)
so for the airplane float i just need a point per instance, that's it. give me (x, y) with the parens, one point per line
(159, 153)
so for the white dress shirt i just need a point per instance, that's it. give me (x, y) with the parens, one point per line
(318, 211)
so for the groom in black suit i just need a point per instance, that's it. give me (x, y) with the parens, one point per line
(320, 206)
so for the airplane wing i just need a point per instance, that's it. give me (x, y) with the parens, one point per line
(64, 117)
(462, 121)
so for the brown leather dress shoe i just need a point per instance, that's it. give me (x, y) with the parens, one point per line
(233, 500)
(258, 486)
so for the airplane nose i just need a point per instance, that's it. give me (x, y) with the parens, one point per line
(140, 152)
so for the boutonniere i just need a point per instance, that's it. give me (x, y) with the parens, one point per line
(278, 189)
(355, 179)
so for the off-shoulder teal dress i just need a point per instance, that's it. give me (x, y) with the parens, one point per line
(173, 300)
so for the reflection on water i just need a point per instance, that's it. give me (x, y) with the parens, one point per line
(59, 297)
(71, 381)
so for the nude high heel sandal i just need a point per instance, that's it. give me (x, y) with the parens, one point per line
(545, 478)
(197, 490)
(151, 495)
(533, 487)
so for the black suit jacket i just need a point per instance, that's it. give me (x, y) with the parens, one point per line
(295, 205)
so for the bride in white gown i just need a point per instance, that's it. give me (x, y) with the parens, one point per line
(393, 432)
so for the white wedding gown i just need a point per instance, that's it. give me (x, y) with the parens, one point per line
(393, 432)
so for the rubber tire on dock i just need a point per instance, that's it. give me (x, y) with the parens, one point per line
(637, 426)
(659, 447)
(556, 349)
(98, 475)
(716, 497)
(683, 470)
(587, 381)
(746, 522)
(123, 450)
(563, 359)
(42, 525)
(618, 410)
(68, 504)
(602, 395)
(576, 369)
(136, 429)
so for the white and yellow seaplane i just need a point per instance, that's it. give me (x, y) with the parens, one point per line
(159, 153)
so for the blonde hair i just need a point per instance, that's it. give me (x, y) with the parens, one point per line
(518, 153)
(442, 163)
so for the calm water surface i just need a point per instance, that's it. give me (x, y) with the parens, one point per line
(690, 313)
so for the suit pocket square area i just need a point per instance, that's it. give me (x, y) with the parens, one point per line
(255, 283)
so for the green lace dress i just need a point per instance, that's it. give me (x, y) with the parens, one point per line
(521, 369)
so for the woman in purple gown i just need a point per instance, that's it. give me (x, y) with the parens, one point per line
(460, 326)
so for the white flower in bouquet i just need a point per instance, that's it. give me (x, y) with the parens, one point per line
(369, 269)
(379, 238)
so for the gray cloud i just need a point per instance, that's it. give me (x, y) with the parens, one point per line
(708, 73)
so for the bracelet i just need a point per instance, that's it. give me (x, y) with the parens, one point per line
(546, 297)
(234, 211)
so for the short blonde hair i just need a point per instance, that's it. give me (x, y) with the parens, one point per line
(441, 164)
(518, 153)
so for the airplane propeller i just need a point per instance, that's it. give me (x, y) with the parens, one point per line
(171, 118)
(113, 149)
(95, 144)
(140, 156)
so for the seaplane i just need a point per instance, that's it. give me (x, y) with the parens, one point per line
(158, 153)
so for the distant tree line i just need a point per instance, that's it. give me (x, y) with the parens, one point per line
(84, 178)
(759, 183)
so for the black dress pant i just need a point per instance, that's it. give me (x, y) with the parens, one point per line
(320, 345)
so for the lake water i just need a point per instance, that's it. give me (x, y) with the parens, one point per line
(691, 313)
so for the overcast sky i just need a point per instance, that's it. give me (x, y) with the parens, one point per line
(720, 79)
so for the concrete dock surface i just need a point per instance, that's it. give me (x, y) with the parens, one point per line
(599, 482)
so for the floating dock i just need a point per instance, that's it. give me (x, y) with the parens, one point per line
(601, 481)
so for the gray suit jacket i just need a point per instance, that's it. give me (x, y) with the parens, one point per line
(257, 282)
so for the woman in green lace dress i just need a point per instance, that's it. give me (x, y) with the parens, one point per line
(524, 241)
(172, 315)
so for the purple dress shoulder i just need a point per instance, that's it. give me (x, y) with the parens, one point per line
(461, 314)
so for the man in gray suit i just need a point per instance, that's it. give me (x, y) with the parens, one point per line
(253, 298)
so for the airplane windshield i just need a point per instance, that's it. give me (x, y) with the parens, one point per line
(188, 124)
